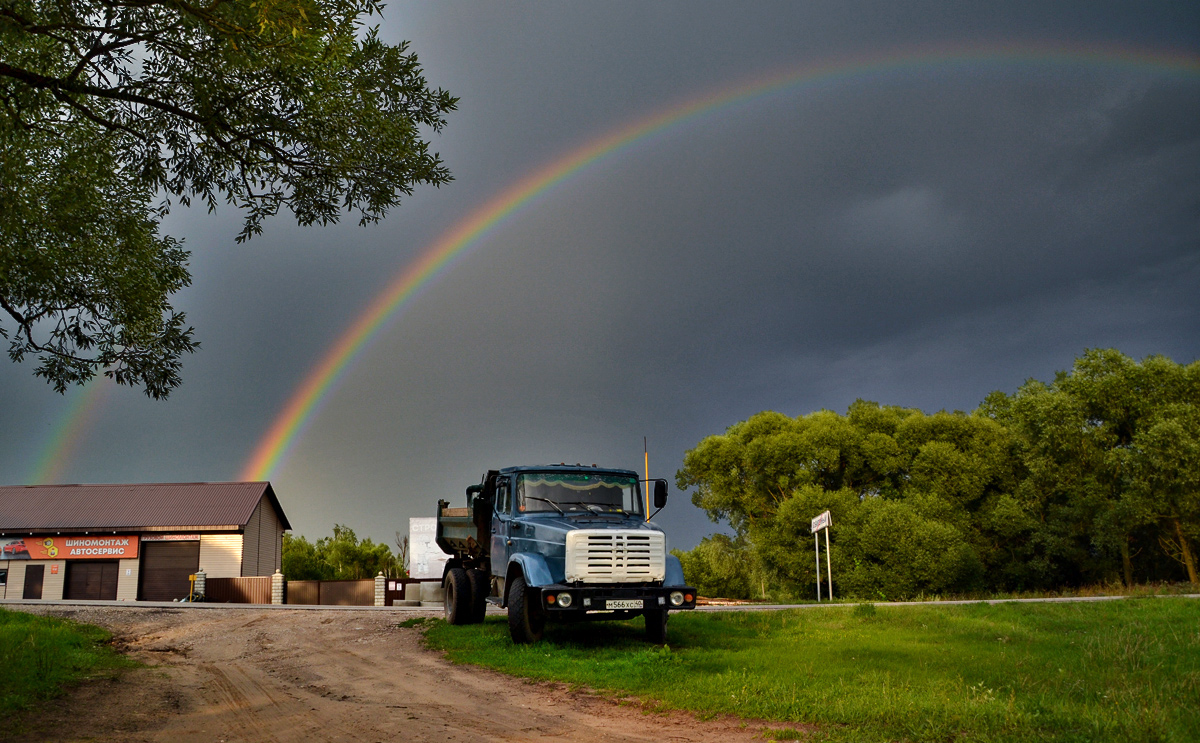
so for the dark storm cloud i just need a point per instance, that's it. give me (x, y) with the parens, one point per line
(918, 239)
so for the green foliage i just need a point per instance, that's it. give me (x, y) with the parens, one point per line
(721, 566)
(1101, 671)
(1162, 464)
(110, 112)
(301, 561)
(903, 554)
(340, 557)
(1094, 476)
(39, 655)
(1102, 498)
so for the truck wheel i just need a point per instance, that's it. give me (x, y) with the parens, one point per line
(457, 601)
(481, 588)
(526, 620)
(656, 626)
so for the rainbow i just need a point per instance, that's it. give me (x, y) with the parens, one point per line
(457, 243)
(69, 433)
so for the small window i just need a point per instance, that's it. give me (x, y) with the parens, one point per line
(503, 497)
(3, 576)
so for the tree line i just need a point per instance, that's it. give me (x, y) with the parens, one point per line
(1091, 478)
(342, 556)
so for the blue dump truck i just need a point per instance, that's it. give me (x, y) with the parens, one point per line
(560, 543)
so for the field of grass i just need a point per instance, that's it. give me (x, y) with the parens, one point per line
(1092, 590)
(1105, 671)
(39, 655)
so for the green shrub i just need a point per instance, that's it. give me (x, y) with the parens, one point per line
(719, 566)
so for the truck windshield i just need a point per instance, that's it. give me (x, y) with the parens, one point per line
(578, 492)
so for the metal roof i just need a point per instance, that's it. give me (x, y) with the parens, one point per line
(133, 506)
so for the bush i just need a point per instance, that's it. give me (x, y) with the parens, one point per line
(900, 554)
(719, 566)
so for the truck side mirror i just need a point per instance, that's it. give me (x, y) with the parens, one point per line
(660, 493)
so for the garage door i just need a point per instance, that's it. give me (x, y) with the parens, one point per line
(94, 580)
(165, 569)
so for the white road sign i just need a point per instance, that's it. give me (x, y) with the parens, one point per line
(821, 522)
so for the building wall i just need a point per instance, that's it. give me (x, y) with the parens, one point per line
(251, 540)
(259, 552)
(53, 583)
(271, 540)
(127, 580)
(16, 578)
(262, 553)
(221, 555)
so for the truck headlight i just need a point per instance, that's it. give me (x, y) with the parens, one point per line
(676, 598)
(564, 600)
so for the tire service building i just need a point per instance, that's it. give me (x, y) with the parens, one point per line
(134, 542)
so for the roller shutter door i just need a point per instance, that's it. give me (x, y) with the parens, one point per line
(165, 569)
(93, 580)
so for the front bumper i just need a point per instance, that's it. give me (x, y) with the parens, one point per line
(601, 598)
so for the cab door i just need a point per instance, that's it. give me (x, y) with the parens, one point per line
(501, 527)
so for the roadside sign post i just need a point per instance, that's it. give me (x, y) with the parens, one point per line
(823, 522)
(817, 550)
(828, 563)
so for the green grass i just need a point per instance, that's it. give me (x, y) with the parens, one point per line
(414, 622)
(1138, 590)
(40, 655)
(1105, 671)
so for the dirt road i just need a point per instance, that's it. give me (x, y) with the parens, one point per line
(226, 675)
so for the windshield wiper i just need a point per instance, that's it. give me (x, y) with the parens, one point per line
(546, 500)
(593, 507)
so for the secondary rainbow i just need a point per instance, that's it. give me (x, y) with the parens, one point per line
(69, 433)
(304, 403)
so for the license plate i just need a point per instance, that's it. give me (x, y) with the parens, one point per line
(623, 604)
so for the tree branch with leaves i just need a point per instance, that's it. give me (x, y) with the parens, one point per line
(111, 112)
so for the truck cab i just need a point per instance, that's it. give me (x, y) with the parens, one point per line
(560, 543)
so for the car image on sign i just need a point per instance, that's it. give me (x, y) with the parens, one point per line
(623, 604)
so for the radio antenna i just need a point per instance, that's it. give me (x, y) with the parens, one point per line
(646, 449)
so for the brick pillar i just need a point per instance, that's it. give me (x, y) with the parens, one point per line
(200, 582)
(277, 588)
(379, 586)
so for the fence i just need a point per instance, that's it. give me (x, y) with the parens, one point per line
(257, 590)
(331, 592)
(253, 590)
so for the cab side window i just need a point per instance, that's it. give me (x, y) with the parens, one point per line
(503, 497)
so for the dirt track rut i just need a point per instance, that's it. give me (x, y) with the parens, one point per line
(226, 676)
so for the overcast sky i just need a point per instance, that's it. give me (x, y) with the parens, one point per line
(919, 237)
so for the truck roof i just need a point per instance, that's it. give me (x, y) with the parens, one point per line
(567, 468)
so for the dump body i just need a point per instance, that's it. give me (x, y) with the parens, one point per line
(457, 532)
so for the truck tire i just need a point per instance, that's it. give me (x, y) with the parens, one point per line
(526, 620)
(457, 601)
(481, 588)
(656, 626)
